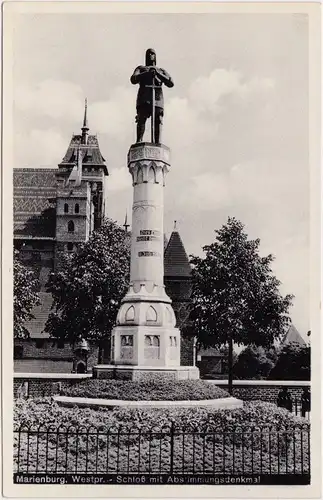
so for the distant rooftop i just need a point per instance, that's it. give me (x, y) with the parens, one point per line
(176, 263)
(293, 335)
(34, 201)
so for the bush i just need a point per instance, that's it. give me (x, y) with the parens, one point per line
(255, 438)
(253, 415)
(254, 362)
(144, 391)
(294, 363)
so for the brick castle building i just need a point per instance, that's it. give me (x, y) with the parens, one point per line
(56, 209)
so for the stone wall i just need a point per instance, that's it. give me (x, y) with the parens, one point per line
(43, 384)
(41, 356)
(264, 390)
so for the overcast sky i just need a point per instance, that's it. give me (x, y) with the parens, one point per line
(236, 120)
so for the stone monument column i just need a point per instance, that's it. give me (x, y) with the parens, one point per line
(145, 341)
(145, 333)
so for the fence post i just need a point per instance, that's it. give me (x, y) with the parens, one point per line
(172, 448)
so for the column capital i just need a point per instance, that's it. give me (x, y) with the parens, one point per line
(148, 151)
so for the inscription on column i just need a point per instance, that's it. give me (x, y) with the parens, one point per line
(148, 254)
(147, 238)
(152, 232)
(149, 235)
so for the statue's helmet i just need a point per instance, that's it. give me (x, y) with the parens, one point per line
(150, 57)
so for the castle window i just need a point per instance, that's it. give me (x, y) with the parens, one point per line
(18, 352)
(77, 208)
(70, 247)
(66, 208)
(71, 227)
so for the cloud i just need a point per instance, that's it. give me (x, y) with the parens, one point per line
(119, 179)
(206, 92)
(55, 99)
(40, 148)
(114, 116)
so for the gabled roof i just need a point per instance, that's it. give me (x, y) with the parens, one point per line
(36, 325)
(293, 335)
(91, 152)
(176, 263)
(89, 145)
(34, 197)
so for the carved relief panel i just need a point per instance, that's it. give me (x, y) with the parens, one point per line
(126, 347)
(152, 347)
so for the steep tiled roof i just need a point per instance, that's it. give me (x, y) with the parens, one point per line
(36, 326)
(91, 152)
(293, 336)
(176, 263)
(34, 193)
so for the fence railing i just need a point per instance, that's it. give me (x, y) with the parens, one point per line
(297, 406)
(169, 450)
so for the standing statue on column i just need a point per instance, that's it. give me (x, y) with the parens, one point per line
(150, 101)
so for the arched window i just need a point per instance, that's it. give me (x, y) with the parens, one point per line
(152, 347)
(71, 227)
(77, 208)
(151, 175)
(70, 247)
(140, 176)
(151, 316)
(66, 208)
(81, 367)
(130, 314)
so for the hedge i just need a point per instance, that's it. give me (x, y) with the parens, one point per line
(185, 390)
(253, 415)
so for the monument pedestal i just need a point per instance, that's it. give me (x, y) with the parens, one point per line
(145, 373)
(145, 342)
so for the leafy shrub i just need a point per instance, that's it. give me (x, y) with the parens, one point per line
(294, 363)
(253, 415)
(254, 362)
(144, 391)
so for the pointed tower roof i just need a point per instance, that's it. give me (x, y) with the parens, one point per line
(85, 124)
(85, 128)
(176, 263)
(126, 225)
(89, 145)
(165, 242)
(293, 335)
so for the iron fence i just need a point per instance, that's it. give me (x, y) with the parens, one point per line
(168, 450)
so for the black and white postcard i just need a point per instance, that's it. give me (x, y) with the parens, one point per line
(161, 249)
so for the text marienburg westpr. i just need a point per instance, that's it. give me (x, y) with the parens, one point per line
(157, 479)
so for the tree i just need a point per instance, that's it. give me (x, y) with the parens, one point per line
(25, 296)
(235, 295)
(294, 363)
(89, 285)
(254, 362)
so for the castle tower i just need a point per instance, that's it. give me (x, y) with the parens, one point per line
(178, 282)
(81, 179)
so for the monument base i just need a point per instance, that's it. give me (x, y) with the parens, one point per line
(145, 373)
